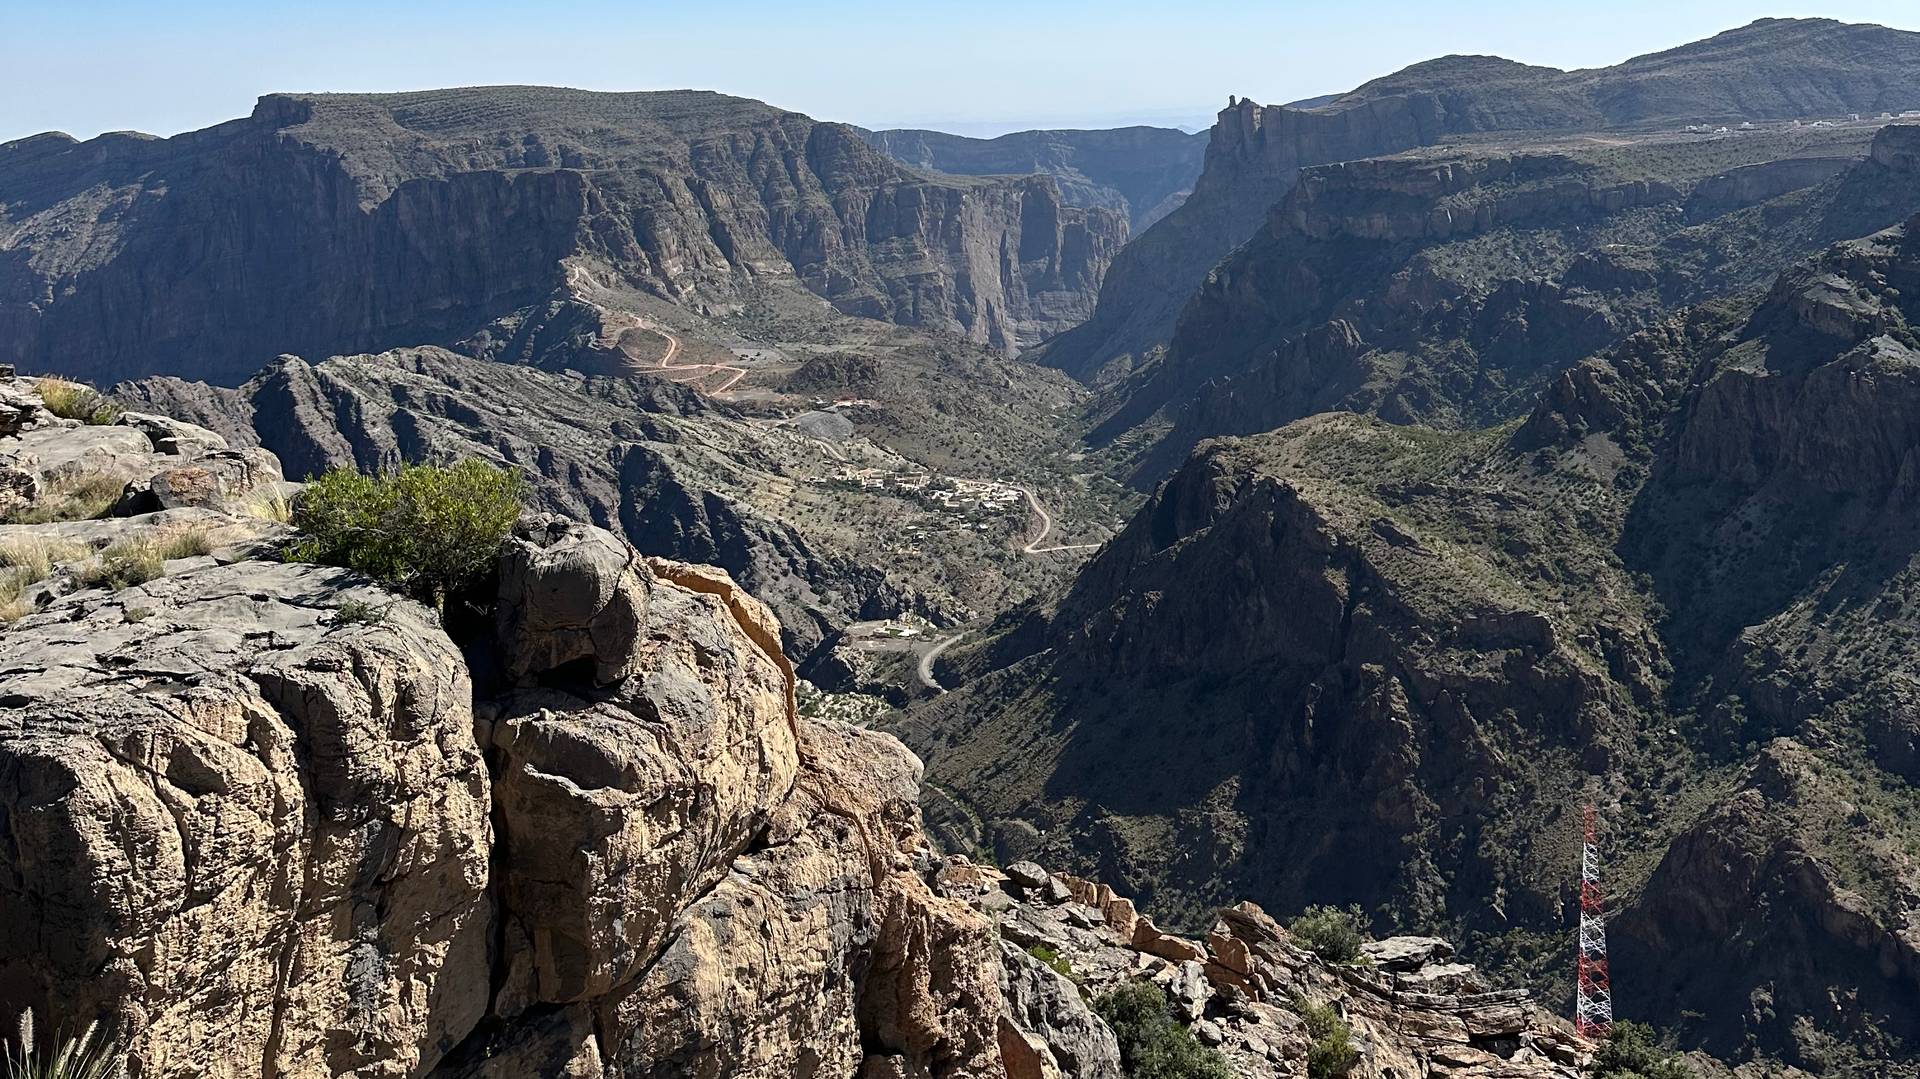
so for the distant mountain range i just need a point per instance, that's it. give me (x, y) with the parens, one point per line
(1445, 454)
(327, 223)
(1773, 69)
(1143, 172)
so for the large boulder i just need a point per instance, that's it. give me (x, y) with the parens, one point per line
(618, 811)
(251, 835)
(1045, 1004)
(569, 592)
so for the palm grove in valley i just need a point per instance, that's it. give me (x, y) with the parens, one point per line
(521, 581)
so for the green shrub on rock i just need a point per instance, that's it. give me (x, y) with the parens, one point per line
(1333, 934)
(1332, 1053)
(1632, 1052)
(1061, 964)
(1152, 1044)
(427, 530)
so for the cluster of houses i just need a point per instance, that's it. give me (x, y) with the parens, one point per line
(1852, 118)
(946, 492)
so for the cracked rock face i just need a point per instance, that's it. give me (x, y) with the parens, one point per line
(246, 833)
(255, 818)
(656, 786)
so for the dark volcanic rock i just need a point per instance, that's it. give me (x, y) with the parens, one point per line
(327, 224)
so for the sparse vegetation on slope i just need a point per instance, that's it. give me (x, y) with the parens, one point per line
(1152, 1045)
(1332, 1053)
(1633, 1052)
(1334, 934)
(71, 400)
(77, 496)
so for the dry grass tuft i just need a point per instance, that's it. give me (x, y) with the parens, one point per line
(81, 496)
(26, 561)
(268, 504)
(36, 556)
(76, 401)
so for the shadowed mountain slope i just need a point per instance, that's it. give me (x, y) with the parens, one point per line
(1773, 69)
(338, 223)
(1351, 661)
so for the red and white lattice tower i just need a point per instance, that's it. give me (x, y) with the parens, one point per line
(1593, 992)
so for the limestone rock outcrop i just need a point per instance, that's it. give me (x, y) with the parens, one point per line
(262, 816)
(1416, 1014)
(247, 832)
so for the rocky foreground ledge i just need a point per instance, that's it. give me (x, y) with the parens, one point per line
(266, 818)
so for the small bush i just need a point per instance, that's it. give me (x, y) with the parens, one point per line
(89, 1056)
(1152, 1044)
(428, 530)
(136, 615)
(1333, 934)
(81, 496)
(76, 401)
(1632, 1051)
(1060, 964)
(1332, 1053)
(356, 612)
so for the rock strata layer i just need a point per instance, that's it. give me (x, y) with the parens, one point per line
(328, 224)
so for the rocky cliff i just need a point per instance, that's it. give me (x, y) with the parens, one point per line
(1447, 287)
(1773, 69)
(1356, 661)
(1142, 172)
(265, 817)
(328, 224)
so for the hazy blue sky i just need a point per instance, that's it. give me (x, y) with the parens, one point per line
(84, 67)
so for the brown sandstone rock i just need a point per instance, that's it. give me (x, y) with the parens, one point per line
(651, 792)
(1149, 939)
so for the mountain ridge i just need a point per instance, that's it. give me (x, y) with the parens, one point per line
(1095, 167)
(371, 221)
(1397, 659)
(1255, 151)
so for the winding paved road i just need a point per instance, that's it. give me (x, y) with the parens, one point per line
(1046, 526)
(926, 662)
(666, 364)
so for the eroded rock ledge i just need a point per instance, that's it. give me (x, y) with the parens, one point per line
(266, 818)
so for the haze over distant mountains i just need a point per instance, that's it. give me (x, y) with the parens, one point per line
(1318, 509)
(354, 222)
(1777, 69)
(1144, 172)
